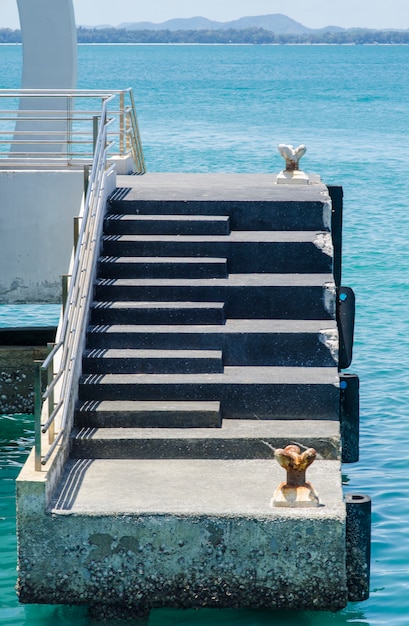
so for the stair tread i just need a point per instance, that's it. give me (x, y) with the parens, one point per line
(148, 304)
(233, 280)
(150, 413)
(256, 392)
(189, 406)
(295, 296)
(154, 312)
(231, 326)
(318, 238)
(231, 429)
(162, 259)
(233, 439)
(113, 353)
(214, 187)
(166, 218)
(232, 375)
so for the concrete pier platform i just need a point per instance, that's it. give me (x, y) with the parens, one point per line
(212, 340)
(151, 533)
(228, 187)
(191, 487)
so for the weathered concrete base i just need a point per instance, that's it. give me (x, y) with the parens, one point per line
(295, 177)
(17, 377)
(300, 496)
(19, 348)
(124, 164)
(147, 534)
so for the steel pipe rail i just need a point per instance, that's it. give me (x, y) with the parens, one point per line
(62, 133)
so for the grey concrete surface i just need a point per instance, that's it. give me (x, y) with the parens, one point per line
(215, 187)
(191, 487)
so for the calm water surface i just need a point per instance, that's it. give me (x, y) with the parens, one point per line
(221, 108)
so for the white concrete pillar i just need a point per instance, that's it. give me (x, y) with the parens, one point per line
(49, 44)
(37, 206)
(36, 226)
(49, 62)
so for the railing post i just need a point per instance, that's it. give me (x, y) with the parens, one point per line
(86, 180)
(77, 221)
(137, 138)
(69, 130)
(121, 122)
(64, 294)
(50, 376)
(94, 132)
(128, 133)
(37, 414)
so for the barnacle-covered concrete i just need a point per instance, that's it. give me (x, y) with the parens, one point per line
(132, 536)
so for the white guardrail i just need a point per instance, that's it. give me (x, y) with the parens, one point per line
(59, 128)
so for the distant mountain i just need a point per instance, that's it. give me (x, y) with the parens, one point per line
(98, 27)
(276, 22)
(329, 29)
(190, 23)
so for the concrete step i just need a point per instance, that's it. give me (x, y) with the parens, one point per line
(253, 202)
(161, 267)
(279, 296)
(125, 361)
(247, 252)
(244, 392)
(157, 313)
(243, 342)
(119, 224)
(236, 439)
(157, 414)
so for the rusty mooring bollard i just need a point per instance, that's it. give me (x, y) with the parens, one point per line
(292, 156)
(296, 492)
(292, 173)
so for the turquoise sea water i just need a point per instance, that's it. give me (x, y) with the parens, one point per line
(226, 108)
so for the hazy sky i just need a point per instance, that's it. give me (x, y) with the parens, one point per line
(311, 13)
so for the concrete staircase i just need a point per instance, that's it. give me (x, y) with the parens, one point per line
(212, 339)
(212, 333)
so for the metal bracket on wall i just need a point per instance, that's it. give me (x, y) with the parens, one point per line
(337, 195)
(349, 411)
(346, 324)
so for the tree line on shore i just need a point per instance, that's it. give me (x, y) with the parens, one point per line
(228, 36)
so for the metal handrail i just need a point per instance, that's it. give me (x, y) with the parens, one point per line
(78, 295)
(55, 405)
(25, 139)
